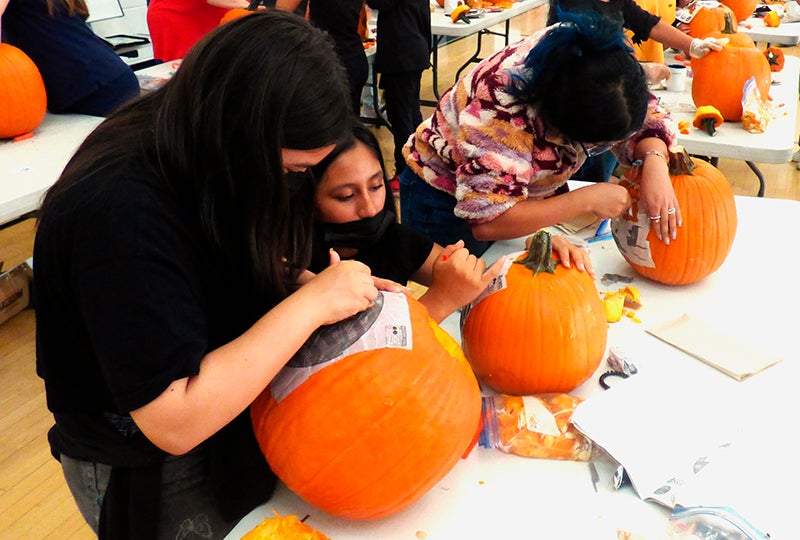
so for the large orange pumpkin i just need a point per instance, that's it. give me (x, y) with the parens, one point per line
(22, 93)
(743, 9)
(545, 331)
(705, 238)
(708, 20)
(719, 76)
(366, 435)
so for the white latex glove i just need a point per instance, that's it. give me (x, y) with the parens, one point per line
(701, 47)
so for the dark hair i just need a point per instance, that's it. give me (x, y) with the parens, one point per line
(69, 7)
(213, 135)
(364, 135)
(583, 79)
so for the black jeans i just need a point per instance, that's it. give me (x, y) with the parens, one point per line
(401, 94)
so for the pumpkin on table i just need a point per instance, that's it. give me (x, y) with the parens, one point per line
(709, 19)
(775, 57)
(743, 9)
(545, 331)
(22, 93)
(362, 434)
(719, 76)
(708, 209)
(772, 19)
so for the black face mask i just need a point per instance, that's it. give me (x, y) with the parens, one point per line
(356, 234)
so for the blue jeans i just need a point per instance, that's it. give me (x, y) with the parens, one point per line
(597, 168)
(188, 509)
(430, 211)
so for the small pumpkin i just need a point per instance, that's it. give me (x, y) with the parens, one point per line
(362, 434)
(544, 332)
(22, 93)
(459, 13)
(719, 76)
(775, 57)
(772, 19)
(283, 528)
(707, 118)
(235, 13)
(708, 209)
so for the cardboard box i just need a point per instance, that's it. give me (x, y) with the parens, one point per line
(15, 290)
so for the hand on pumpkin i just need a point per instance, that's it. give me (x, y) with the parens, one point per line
(568, 253)
(657, 198)
(343, 289)
(701, 47)
(457, 278)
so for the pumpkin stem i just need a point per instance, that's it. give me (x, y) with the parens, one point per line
(729, 26)
(540, 255)
(680, 162)
(709, 125)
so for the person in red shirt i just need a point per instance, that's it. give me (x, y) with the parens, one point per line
(176, 25)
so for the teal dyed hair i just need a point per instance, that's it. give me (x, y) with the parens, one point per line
(583, 79)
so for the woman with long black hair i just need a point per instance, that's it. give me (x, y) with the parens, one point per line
(170, 285)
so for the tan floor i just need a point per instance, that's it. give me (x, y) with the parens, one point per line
(34, 501)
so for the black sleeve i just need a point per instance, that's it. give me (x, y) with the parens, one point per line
(399, 254)
(638, 20)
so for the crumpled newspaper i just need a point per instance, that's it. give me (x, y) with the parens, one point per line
(791, 12)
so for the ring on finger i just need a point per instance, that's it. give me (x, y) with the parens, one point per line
(671, 211)
(655, 218)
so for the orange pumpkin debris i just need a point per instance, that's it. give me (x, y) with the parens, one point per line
(284, 528)
(539, 426)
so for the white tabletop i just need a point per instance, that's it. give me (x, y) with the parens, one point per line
(495, 495)
(775, 145)
(787, 33)
(30, 166)
(442, 25)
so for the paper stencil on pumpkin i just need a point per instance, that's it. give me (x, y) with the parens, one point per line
(497, 284)
(631, 239)
(386, 324)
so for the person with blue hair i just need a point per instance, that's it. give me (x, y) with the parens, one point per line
(643, 26)
(493, 160)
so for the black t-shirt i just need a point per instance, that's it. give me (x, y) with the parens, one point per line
(339, 18)
(404, 35)
(397, 256)
(634, 18)
(129, 296)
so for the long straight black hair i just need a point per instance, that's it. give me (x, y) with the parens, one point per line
(213, 136)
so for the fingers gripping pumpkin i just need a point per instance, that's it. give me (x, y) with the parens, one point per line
(545, 331)
(368, 431)
(705, 238)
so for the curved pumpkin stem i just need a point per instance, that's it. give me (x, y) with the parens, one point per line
(680, 162)
(730, 27)
(540, 254)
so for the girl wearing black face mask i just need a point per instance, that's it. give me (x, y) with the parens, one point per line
(356, 218)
